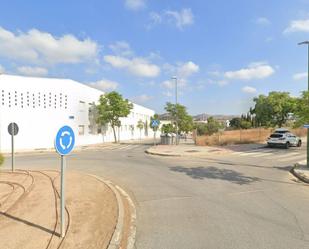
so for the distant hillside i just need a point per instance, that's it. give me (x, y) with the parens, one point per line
(204, 116)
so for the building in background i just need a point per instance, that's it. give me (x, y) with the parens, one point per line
(40, 106)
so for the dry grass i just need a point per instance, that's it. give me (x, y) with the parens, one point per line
(242, 136)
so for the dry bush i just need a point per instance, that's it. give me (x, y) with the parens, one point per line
(242, 136)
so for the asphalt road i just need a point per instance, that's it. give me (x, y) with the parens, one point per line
(236, 200)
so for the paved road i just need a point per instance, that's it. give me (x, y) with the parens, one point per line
(228, 201)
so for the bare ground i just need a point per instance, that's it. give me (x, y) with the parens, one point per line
(30, 216)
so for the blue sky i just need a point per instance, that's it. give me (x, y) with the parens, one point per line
(223, 52)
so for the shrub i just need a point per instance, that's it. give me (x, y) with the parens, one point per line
(1, 159)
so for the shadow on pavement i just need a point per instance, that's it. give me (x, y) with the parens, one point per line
(201, 173)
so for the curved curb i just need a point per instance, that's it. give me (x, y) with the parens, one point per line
(132, 232)
(298, 176)
(117, 235)
(162, 154)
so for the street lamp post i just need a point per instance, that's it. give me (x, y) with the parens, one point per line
(307, 43)
(176, 112)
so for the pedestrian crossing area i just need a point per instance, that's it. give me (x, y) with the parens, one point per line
(117, 147)
(280, 155)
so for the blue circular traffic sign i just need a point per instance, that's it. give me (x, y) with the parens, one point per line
(65, 140)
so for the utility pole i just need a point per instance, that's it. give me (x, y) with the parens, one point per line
(307, 43)
(176, 112)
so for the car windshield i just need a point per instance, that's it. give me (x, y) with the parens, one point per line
(276, 135)
(281, 131)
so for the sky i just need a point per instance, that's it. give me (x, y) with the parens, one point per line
(223, 53)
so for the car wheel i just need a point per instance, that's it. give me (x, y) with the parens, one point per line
(299, 143)
(287, 145)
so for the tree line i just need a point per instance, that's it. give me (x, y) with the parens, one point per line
(273, 110)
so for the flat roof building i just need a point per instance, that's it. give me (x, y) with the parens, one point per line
(40, 106)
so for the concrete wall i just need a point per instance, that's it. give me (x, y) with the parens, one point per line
(40, 106)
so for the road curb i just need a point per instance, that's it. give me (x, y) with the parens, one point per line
(297, 175)
(117, 235)
(162, 154)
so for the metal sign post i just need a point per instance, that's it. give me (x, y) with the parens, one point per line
(13, 131)
(62, 193)
(64, 143)
(307, 127)
(154, 125)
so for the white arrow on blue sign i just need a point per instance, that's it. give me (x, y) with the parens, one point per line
(306, 126)
(155, 123)
(65, 140)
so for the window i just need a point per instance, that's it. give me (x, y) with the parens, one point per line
(81, 130)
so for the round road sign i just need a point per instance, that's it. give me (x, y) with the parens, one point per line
(13, 129)
(65, 140)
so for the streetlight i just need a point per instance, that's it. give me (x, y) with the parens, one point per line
(176, 113)
(307, 43)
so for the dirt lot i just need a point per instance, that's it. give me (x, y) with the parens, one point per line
(242, 136)
(29, 211)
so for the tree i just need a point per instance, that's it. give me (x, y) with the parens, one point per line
(140, 126)
(212, 126)
(302, 111)
(167, 128)
(274, 109)
(111, 108)
(179, 113)
(235, 123)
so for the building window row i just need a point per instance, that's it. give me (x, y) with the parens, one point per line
(34, 100)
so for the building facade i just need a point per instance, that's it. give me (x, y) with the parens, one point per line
(40, 106)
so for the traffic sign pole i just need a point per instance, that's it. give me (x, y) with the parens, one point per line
(12, 143)
(62, 194)
(64, 144)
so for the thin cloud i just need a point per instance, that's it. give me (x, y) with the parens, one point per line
(104, 85)
(43, 48)
(300, 76)
(180, 19)
(262, 21)
(136, 66)
(32, 71)
(135, 4)
(256, 70)
(249, 89)
(297, 26)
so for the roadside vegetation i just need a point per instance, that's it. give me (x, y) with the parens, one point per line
(1, 159)
(112, 106)
(277, 109)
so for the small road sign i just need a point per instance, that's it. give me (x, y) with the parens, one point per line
(64, 143)
(306, 126)
(65, 140)
(13, 129)
(155, 123)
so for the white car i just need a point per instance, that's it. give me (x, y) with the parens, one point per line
(285, 139)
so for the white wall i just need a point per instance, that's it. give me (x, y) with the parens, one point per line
(40, 106)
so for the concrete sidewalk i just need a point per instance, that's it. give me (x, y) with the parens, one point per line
(190, 149)
(184, 150)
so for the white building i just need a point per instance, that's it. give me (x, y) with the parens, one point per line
(40, 106)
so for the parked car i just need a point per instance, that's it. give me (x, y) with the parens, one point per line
(285, 139)
(282, 130)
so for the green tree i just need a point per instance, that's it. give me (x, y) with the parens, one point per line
(179, 114)
(167, 128)
(212, 126)
(111, 108)
(273, 110)
(244, 124)
(302, 110)
(235, 123)
(140, 126)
